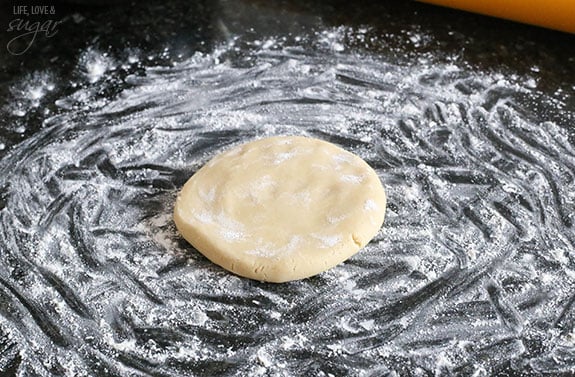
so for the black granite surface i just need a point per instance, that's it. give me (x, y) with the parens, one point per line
(165, 32)
(184, 27)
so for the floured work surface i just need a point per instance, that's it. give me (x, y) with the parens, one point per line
(475, 273)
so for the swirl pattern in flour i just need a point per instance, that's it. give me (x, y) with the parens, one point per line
(473, 273)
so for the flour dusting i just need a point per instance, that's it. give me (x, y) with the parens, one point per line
(473, 275)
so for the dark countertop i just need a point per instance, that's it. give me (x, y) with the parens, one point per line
(468, 120)
(181, 28)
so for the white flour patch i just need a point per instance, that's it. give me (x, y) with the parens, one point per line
(343, 159)
(209, 196)
(270, 250)
(282, 157)
(328, 241)
(476, 165)
(204, 217)
(302, 198)
(353, 179)
(230, 229)
(334, 219)
(370, 205)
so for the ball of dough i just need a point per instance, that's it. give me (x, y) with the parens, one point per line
(281, 208)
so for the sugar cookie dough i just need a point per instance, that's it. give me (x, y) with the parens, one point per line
(281, 208)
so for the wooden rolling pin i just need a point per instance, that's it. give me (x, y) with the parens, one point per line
(553, 14)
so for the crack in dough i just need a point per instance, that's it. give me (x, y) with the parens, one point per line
(356, 240)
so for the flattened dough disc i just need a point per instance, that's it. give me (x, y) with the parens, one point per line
(281, 208)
